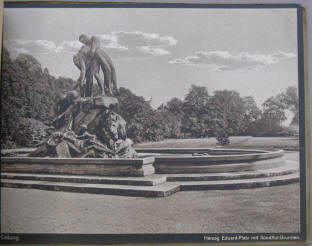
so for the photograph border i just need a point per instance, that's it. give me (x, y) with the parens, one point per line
(189, 237)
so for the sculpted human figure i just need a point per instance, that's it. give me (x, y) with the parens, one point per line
(100, 60)
(85, 63)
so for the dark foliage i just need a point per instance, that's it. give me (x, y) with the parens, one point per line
(143, 122)
(28, 98)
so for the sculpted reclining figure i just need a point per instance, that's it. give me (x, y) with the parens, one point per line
(108, 141)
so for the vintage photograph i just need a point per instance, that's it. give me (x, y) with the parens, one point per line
(152, 123)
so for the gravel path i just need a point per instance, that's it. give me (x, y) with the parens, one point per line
(273, 209)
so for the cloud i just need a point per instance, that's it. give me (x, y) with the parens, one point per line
(68, 46)
(41, 46)
(30, 46)
(154, 51)
(120, 44)
(138, 44)
(139, 38)
(284, 55)
(110, 41)
(226, 61)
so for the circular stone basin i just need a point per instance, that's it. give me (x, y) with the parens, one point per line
(207, 160)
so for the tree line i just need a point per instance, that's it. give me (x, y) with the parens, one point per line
(222, 114)
(30, 95)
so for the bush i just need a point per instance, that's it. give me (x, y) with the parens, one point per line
(223, 138)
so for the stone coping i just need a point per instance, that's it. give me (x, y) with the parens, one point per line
(230, 155)
(19, 150)
(149, 148)
(78, 161)
(197, 150)
(162, 150)
(225, 158)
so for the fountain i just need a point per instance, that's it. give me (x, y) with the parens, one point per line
(90, 152)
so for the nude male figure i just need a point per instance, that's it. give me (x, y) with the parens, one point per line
(82, 61)
(100, 60)
(89, 67)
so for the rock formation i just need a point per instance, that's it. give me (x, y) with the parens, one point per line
(87, 128)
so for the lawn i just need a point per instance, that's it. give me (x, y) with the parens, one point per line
(246, 142)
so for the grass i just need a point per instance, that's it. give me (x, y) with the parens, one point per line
(246, 142)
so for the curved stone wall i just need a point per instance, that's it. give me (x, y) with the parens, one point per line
(178, 169)
(198, 160)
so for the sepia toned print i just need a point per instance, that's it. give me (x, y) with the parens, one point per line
(152, 124)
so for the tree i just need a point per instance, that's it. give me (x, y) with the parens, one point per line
(251, 114)
(291, 100)
(171, 114)
(28, 97)
(274, 109)
(196, 100)
(175, 106)
(196, 110)
(231, 110)
(273, 114)
(143, 122)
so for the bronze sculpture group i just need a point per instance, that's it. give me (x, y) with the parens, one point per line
(90, 59)
(86, 125)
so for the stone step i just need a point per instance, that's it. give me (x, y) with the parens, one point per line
(139, 181)
(288, 168)
(239, 184)
(161, 190)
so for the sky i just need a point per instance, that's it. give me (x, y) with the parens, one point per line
(159, 53)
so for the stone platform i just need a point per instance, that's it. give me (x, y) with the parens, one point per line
(156, 185)
(135, 167)
(189, 169)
